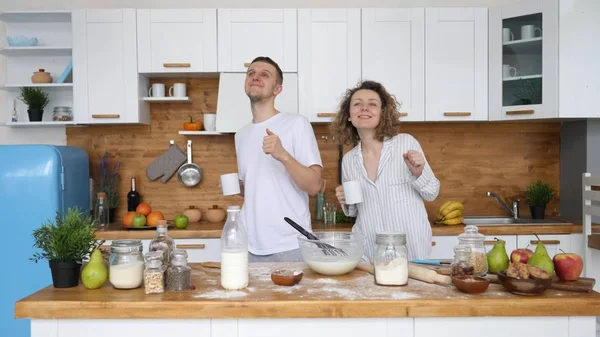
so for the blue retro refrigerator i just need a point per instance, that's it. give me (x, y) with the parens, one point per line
(36, 181)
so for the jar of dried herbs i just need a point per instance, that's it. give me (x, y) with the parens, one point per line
(179, 274)
(154, 282)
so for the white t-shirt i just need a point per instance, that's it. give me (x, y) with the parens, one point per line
(270, 194)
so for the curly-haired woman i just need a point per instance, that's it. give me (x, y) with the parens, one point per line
(394, 176)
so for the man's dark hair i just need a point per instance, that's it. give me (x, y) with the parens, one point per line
(268, 60)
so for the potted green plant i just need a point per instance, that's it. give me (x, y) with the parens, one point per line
(538, 195)
(36, 101)
(64, 244)
(107, 179)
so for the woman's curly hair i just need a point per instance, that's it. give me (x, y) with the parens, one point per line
(343, 130)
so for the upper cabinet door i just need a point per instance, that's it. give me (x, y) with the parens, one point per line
(106, 85)
(524, 60)
(329, 59)
(245, 34)
(456, 64)
(399, 63)
(177, 40)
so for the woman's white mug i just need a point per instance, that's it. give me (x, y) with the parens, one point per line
(177, 90)
(157, 90)
(230, 184)
(352, 192)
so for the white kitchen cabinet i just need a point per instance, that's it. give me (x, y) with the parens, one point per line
(244, 34)
(553, 242)
(443, 246)
(177, 40)
(106, 85)
(399, 62)
(200, 250)
(329, 59)
(456, 64)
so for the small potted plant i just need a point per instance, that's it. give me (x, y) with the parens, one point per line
(538, 195)
(65, 243)
(36, 101)
(107, 179)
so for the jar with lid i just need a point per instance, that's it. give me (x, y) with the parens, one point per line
(391, 259)
(475, 241)
(154, 282)
(126, 269)
(461, 266)
(179, 274)
(62, 114)
(234, 252)
(162, 242)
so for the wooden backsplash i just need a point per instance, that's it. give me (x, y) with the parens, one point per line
(469, 159)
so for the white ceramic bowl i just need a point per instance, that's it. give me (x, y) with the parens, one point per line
(332, 265)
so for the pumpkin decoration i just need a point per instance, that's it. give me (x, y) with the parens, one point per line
(192, 126)
(193, 214)
(215, 214)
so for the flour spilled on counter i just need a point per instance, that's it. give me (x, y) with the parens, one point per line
(222, 294)
(327, 281)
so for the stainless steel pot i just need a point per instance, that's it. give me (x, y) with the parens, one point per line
(189, 174)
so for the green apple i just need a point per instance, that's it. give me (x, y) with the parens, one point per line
(139, 220)
(181, 221)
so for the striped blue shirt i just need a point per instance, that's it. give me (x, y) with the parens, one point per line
(394, 201)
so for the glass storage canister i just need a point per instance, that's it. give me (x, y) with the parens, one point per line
(62, 114)
(461, 266)
(126, 269)
(475, 240)
(179, 274)
(162, 242)
(154, 281)
(391, 259)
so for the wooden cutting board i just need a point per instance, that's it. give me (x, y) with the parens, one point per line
(583, 285)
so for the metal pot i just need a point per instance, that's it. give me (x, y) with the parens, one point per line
(189, 174)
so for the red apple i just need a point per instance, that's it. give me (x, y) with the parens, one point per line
(568, 266)
(521, 255)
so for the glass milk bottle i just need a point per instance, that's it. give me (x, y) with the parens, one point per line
(234, 252)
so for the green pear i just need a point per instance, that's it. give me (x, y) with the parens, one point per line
(497, 257)
(540, 258)
(95, 273)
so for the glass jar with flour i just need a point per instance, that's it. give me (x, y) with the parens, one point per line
(234, 252)
(391, 259)
(126, 269)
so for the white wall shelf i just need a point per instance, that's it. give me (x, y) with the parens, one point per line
(36, 16)
(36, 51)
(529, 77)
(17, 87)
(167, 99)
(200, 133)
(38, 124)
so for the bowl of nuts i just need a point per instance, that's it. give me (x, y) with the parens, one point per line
(471, 284)
(524, 279)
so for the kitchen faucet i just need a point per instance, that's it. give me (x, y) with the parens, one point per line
(515, 209)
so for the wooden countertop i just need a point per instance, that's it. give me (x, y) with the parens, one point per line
(316, 296)
(205, 229)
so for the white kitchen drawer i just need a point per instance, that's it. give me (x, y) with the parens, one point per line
(443, 247)
(552, 242)
(200, 250)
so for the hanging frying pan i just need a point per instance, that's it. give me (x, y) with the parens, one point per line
(189, 174)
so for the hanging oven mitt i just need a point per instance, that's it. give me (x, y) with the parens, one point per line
(163, 165)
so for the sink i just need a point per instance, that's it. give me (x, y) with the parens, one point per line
(508, 221)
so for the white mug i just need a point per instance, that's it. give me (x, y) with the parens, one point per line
(210, 122)
(157, 90)
(506, 71)
(507, 35)
(230, 184)
(352, 192)
(528, 32)
(177, 90)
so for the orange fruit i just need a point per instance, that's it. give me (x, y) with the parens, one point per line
(128, 219)
(144, 208)
(153, 217)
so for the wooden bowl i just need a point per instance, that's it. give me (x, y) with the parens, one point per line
(286, 277)
(521, 286)
(471, 284)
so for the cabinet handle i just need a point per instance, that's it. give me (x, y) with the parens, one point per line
(432, 243)
(489, 242)
(190, 246)
(546, 242)
(176, 65)
(403, 114)
(520, 112)
(106, 116)
(326, 114)
(457, 114)
(247, 64)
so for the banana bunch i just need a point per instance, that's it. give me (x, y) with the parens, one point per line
(450, 213)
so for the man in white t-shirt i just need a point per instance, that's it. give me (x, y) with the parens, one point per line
(280, 166)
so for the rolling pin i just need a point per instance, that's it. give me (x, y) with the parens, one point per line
(415, 272)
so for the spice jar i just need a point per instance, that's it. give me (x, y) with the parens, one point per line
(474, 240)
(461, 266)
(391, 259)
(126, 267)
(154, 282)
(179, 274)
(62, 114)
